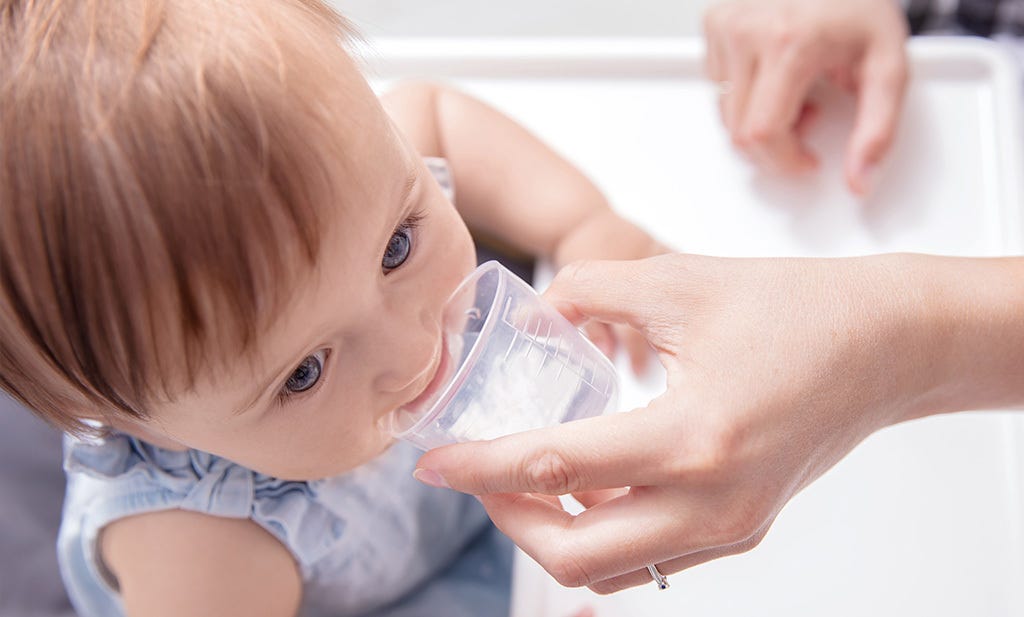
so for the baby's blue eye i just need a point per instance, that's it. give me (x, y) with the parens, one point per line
(400, 245)
(306, 374)
(398, 249)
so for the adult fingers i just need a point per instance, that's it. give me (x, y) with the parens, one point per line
(741, 68)
(715, 53)
(589, 499)
(785, 153)
(595, 453)
(714, 66)
(624, 292)
(809, 114)
(603, 337)
(642, 576)
(882, 87)
(637, 348)
(768, 128)
(614, 538)
(608, 338)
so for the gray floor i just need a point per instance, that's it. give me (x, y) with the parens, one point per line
(525, 17)
(31, 491)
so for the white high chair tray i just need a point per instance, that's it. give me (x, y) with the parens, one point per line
(922, 519)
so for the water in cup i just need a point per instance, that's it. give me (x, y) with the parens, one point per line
(510, 363)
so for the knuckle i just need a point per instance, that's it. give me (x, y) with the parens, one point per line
(759, 133)
(677, 465)
(783, 36)
(711, 461)
(568, 571)
(736, 529)
(794, 31)
(743, 35)
(753, 541)
(876, 143)
(605, 588)
(551, 473)
(744, 526)
(575, 271)
(740, 140)
(722, 462)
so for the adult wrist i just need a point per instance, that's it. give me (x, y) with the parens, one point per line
(966, 331)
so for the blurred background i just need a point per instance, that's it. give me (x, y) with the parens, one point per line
(525, 17)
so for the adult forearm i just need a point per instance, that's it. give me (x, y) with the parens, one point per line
(972, 320)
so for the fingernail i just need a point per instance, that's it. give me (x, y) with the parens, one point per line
(430, 478)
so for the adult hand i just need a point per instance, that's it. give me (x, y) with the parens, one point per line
(768, 54)
(776, 368)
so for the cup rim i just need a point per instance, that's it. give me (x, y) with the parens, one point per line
(474, 352)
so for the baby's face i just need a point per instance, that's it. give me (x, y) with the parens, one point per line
(361, 337)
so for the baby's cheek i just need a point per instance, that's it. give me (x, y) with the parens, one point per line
(467, 260)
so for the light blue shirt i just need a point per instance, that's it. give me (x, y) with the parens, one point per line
(373, 541)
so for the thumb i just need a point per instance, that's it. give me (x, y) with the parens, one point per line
(611, 291)
(882, 87)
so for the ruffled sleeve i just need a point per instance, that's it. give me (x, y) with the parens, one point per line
(137, 477)
(361, 539)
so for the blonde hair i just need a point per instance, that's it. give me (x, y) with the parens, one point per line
(163, 175)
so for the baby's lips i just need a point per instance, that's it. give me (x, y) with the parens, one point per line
(438, 377)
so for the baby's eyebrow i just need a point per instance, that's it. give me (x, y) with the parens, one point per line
(411, 181)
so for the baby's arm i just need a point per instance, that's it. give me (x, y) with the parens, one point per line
(184, 563)
(512, 188)
(509, 185)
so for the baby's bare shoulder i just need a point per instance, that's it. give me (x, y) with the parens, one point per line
(178, 562)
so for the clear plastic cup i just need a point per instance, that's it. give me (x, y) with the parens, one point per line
(510, 363)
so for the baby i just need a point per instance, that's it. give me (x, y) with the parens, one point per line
(222, 263)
